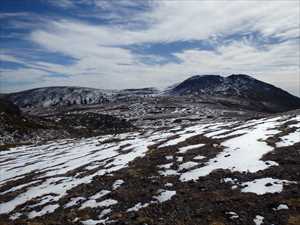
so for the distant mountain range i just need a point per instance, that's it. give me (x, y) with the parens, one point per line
(65, 96)
(54, 96)
(238, 90)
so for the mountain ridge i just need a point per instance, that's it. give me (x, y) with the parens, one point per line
(236, 89)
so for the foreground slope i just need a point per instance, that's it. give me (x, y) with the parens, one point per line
(230, 172)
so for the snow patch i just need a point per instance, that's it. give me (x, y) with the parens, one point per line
(169, 157)
(289, 139)
(199, 157)
(281, 207)
(233, 215)
(165, 166)
(242, 153)
(169, 172)
(137, 207)
(93, 204)
(187, 165)
(179, 159)
(258, 220)
(74, 201)
(47, 209)
(264, 185)
(117, 184)
(164, 195)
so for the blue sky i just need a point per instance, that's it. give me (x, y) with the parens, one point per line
(114, 44)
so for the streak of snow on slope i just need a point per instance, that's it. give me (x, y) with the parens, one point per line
(137, 207)
(47, 209)
(289, 139)
(187, 133)
(101, 220)
(93, 222)
(99, 194)
(175, 141)
(94, 204)
(165, 166)
(187, 165)
(18, 187)
(169, 172)
(292, 137)
(218, 129)
(163, 195)
(233, 215)
(199, 157)
(184, 149)
(74, 201)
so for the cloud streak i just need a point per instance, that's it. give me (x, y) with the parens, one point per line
(253, 37)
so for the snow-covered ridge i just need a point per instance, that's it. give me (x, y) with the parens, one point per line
(54, 96)
(60, 96)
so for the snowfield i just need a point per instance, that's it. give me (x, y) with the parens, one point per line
(61, 158)
(241, 153)
(36, 180)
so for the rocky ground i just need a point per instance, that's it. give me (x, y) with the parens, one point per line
(39, 124)
(18, 127)
(183, 165)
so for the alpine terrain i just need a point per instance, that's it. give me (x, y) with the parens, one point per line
(210, 150)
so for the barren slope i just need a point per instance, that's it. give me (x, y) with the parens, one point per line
(237, 172)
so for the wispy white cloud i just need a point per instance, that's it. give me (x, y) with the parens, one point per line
(192, 20)
(103, 61)
(4, 57)
(4, 15)
(61, 3)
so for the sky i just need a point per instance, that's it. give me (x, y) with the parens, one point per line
(116, 44)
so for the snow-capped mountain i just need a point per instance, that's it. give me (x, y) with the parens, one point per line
(249, 90)
(54, 96)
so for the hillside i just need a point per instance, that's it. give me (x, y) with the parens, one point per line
(229, 172)
(238, 89)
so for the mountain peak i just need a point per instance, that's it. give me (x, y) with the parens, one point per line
(204, 76)
(240, 76)
(238, 86)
